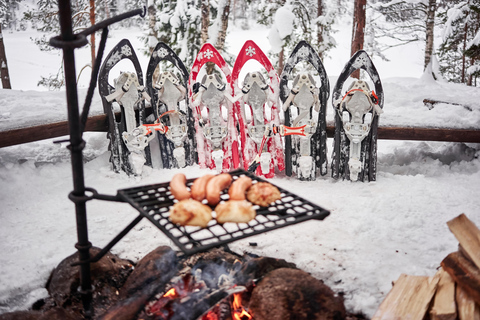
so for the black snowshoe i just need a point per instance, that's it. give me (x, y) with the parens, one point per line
(356, 121)
(305, 147)
(170, 107)
(127, 154)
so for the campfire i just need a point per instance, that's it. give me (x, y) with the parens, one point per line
(196, 289)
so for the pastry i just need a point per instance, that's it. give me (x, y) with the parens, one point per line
(263, 194)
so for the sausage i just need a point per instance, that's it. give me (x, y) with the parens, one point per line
(215, 185)
(199, 187)
(178, 187)
(239, 187)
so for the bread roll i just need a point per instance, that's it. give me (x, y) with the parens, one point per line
(190, 212)
(238, 211)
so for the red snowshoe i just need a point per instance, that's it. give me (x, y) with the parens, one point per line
(212, 106)
(257, 112)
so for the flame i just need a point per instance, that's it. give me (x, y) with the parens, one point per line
(238, 311)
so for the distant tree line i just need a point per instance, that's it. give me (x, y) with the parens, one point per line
(377, 26)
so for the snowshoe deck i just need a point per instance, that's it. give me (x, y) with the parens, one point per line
(167, 95)
(306, 154)
(347, 140)
(216, 138)
(258, 95)
(127, 93)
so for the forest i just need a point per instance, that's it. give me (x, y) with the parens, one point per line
(185, 25)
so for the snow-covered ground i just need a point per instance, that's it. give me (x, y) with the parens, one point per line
(375, 231)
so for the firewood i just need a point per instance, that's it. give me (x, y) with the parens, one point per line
(444, 307)
(408, 299)
(468, 235)
(464, 273)
(467, 308)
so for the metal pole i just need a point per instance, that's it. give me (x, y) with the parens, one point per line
(70, 42)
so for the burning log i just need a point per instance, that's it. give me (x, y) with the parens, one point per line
(294, 294)
(444, 307)
(408, 299)
(465, 274)
(150, 276)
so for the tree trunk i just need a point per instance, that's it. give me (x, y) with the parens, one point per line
(152, 32)
(106, 8)
(205, 20)
(358, 33)
(320, 27)
(222, 33)
(430, 24)
(92, 36)
(3, 64)
(463, 52)
(280, 62)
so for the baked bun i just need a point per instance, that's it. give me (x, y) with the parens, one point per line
(238, 211)
(263, 194)
(190, 212)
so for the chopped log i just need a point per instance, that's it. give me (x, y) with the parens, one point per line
(468, 235)
(408, 299)
(444, 307)
(467, 308)
(464, 273)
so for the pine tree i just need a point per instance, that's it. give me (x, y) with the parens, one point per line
(8, 14)
(459, 52)
(405, 22)
(292, 21)
(44, 18)
(185, 25)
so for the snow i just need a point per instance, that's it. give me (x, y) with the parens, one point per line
(375, 231)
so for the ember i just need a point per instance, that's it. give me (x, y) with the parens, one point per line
(232, 308)
(162, 308)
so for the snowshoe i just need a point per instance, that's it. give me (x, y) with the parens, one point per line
(129, 150)
(260, 100)
(216, 136)
(356, 121)
(170, 107)
(305, 151)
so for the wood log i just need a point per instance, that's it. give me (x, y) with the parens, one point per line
(13, 137)
(444, 307)
(468, 235)
(408, 299)
(430, 103)
(99, 124)
(467, 308)
(428, 134)
(464, 273)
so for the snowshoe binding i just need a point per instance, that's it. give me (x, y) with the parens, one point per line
(356, 121)
(216, 136)
(256, 96)
(306, 136)
(128, 146)
(170, 108)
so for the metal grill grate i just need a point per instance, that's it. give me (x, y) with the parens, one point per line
(154, 202)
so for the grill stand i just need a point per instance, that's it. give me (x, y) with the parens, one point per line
(151, 201)
(68, 42)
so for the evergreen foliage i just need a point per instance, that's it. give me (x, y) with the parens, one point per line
(459, 53)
